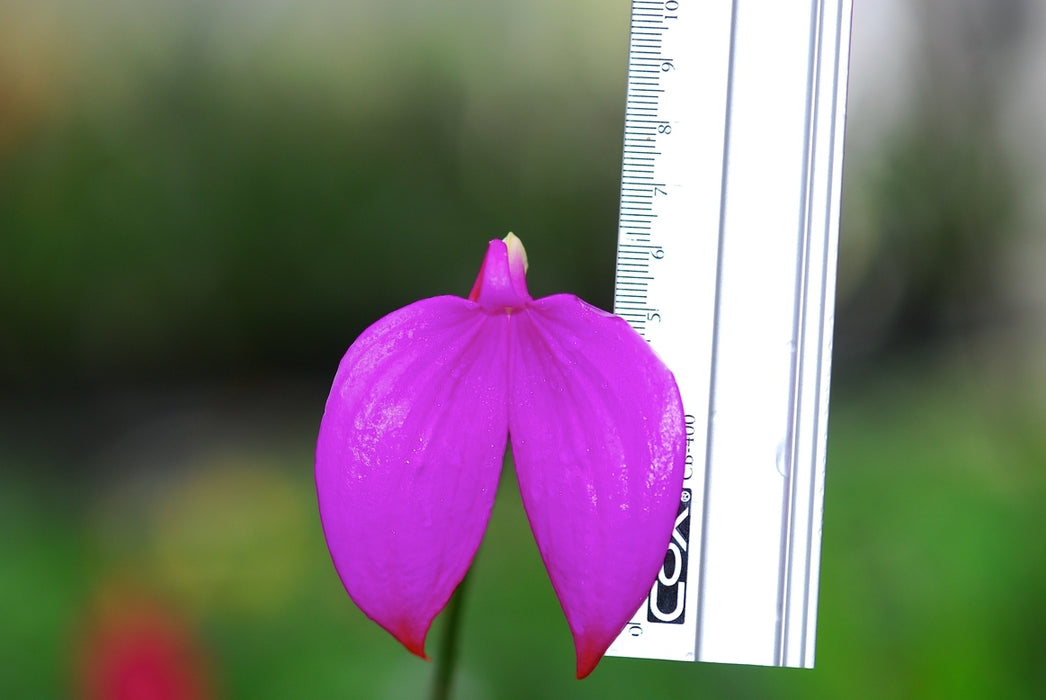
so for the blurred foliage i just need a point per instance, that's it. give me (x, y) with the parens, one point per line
(213, 213)
(932, 573)
(935, 207)
(201, 199)
(940, 211)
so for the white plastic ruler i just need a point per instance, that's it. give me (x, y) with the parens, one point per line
(726, 265)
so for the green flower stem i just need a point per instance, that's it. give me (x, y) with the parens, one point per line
(448, 653)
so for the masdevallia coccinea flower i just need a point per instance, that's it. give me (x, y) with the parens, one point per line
(414, 432)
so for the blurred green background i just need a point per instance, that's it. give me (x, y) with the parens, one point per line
(203, 202)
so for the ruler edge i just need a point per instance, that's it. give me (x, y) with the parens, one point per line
(815, 459)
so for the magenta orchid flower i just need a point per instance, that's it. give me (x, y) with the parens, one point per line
(413, 436)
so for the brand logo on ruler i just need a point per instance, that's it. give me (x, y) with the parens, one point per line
(667, 601)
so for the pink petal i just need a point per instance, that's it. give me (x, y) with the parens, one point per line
(598, 438)
(408, 458)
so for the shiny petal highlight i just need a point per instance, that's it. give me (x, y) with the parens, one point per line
(408, 458)
(598, 437)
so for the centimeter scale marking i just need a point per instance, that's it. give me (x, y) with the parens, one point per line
(726, 264)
